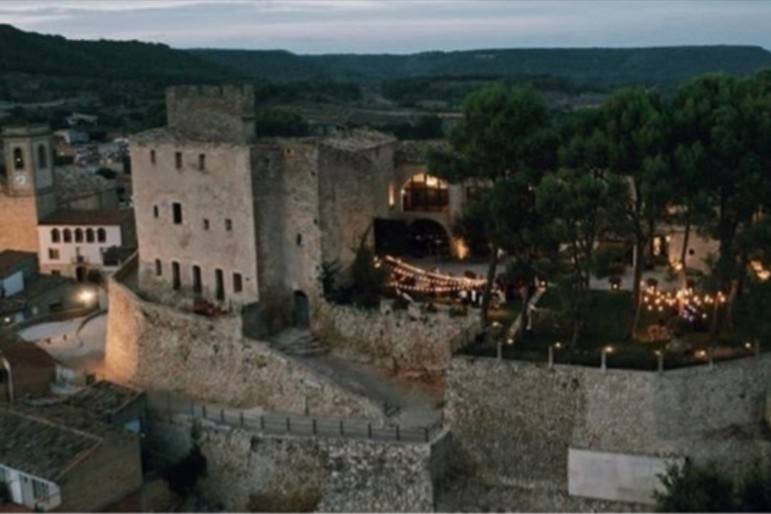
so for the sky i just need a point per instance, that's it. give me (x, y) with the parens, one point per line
(399, 26)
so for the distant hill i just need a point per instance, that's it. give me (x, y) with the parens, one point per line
(64, 65)
(664, 66)
(29, 52)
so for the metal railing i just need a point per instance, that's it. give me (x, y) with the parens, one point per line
(167, 406)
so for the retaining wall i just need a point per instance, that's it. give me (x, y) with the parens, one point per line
(515, 421)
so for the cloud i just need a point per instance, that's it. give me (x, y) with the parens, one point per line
(315, 26)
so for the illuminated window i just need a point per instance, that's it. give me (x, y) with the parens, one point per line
(425, 192)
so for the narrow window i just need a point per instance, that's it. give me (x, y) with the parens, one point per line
(220, 279)
(158, 267)
(178, 160)
(176, 281)
(67, 235)
(177, 212)
(101, 235)
(299, 239)
(53, 254)
(228, 224)
(155, 211)
(55, 236)
(89, 235)
(78, 235)
(197, 279)
(42, 157)
(202, 161)
(152, 156)
(205, 224)
(238, 286)
(18, 159)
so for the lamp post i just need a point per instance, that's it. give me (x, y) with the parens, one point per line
(86, 297)
(604, 357)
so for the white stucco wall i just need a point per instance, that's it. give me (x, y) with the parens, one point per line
(91, 253)
(20, 486)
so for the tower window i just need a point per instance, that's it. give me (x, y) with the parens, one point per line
(152, 156)
(238, 285)
(158, 267)
(175, 278)
(228, 224)
(220, 284)
(42, 157)
(67, 235)
(177, 212)
(197, 279)
(155, 211)
(201, 161)
(205, 224)
(18, 159)
(299, 239)
(178, 160)
(55, 236)
(90, 235)
(101, 235)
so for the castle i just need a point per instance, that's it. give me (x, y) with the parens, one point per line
(244, 221)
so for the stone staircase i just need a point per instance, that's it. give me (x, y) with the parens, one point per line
(299, 342)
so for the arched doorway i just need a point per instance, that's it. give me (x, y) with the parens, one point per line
(428, 238)
(302, 310)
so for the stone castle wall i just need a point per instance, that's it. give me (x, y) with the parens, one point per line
(515, 421)
(403, 341)
(159, 348)
(249, 471)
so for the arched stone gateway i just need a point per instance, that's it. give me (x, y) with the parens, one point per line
(428, 238)
(302, 310)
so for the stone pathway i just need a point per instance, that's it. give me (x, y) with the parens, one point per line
(408, 404)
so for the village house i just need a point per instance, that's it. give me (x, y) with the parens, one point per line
(25, 370)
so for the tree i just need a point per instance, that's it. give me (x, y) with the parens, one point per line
(626, 138)
(578, 209)
(504, 142)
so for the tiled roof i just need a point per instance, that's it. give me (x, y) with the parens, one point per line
(88, 217)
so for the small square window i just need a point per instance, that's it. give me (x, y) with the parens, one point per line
(228, 224)
(205, 224)
(53, 254)
(178, 160)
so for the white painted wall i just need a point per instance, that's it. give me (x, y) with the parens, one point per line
(20, 486)
(12, 284)
(615, 476)
(68, 252)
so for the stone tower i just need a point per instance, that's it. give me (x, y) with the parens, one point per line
(27, 191)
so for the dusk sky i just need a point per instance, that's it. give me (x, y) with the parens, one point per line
(396, 26)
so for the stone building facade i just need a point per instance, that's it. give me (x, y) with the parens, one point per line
(245, 221)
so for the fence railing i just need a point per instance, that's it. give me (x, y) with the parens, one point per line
(167, 406)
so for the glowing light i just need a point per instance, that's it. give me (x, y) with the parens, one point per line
(608, 349)
(86, 296)
(558, 345)
(461, 248)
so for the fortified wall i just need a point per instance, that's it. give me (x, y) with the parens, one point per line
(160, 348)
(254, 472)
(401, 341)
(527, 425)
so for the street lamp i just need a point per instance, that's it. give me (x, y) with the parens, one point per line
(86, 296)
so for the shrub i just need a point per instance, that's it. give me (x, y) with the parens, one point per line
(691, 489)
(368, 279)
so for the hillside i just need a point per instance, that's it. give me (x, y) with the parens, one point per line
(31, 53)
(604, 67)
